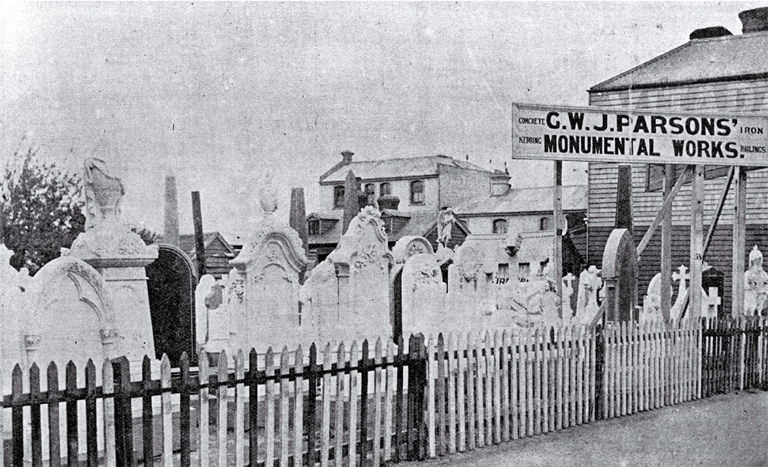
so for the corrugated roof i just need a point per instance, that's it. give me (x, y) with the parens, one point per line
(392, 168)
(522, 200)
(698, 61)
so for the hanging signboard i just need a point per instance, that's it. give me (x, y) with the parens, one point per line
(594, 134)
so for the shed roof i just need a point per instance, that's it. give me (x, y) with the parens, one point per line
(724, 58)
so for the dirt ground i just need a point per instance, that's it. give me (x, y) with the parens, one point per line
(727, 430)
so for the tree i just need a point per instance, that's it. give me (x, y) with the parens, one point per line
(42, 210)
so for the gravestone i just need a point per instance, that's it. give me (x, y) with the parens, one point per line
(171, 284)
(13, 302)
(347, 295)
(755, 285)
(590, 283)
(408, 246)
(423, 296)
(711, 277)
(120, 256)
(620, 273)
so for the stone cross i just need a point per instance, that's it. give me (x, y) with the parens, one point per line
(713, 302)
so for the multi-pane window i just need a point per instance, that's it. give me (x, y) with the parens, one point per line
(338, 196)
(385, 189)
(500, 226)
(417, 192)
(313, 227)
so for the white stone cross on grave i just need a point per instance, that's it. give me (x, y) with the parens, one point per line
(712, 303)
(681, 275)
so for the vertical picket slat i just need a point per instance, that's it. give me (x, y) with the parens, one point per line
(593, 373)
(431, 377)
(461, 401)
(363, 442)
(450, 360)
(269, 408)
(529, 383)
(572, 356)
(504, 389)
(559, 340)
(470, 358)
(298, 407)
(496, 388)
(203, 392)
(108, 411)
(91, 428)
(579, 365)
(222, 395)
(389, 421)
(545, 386)
(167, 410)
(239, 409)
(377, 393)
(35, 416)
(352, 370)
(54, 439)
(338, 454)
(253, 408)
(477, 352)
(285, 394)
(17, 417)
(184, 409)
(550, 356)
(440, 395)
(146, 412)
(514, 385)
(537, 422)
(399, 400)
(488, 368)
(325, 409)
(71, 390)
(311, 412)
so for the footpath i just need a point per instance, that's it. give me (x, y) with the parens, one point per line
(725, 430)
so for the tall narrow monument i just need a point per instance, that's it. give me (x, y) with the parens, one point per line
(120, 256)
(171, 232)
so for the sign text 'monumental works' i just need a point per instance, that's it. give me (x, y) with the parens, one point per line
(594, 134)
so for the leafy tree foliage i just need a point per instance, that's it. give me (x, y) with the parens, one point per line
(42, 210)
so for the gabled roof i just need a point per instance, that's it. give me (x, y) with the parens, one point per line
(387, 169)
(724, 58)
(526, 200)
(327, 215)
(187, 242)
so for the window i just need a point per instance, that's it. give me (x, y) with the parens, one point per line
(523, 271)
(338, 196)
(385, 189)
(500, 226)
(370, 189)
(545, 223)
(313, 227)
(417, 192)
(654, 175)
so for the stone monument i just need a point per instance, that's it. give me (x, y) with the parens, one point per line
(756, 285)
(120, 256)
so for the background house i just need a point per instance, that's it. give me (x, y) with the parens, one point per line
(715, 72)
(410, 193)
(218, 252)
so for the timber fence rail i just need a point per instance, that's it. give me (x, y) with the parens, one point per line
(359, 405)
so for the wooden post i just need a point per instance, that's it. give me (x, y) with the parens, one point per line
(739, 240)
(197, 218)
(666, 247)
(697, 239)
(557, 248)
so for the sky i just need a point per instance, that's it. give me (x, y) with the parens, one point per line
(220, 94)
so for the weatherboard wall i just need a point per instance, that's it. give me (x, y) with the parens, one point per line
(744, 96)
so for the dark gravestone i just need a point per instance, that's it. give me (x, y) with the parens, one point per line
(620, 274)
(171, 285)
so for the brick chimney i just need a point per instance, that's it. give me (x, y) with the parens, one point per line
(347, 156)
(499, 184)
(754, 20)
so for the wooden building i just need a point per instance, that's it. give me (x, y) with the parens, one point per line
(715, 72)
(218, 253)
